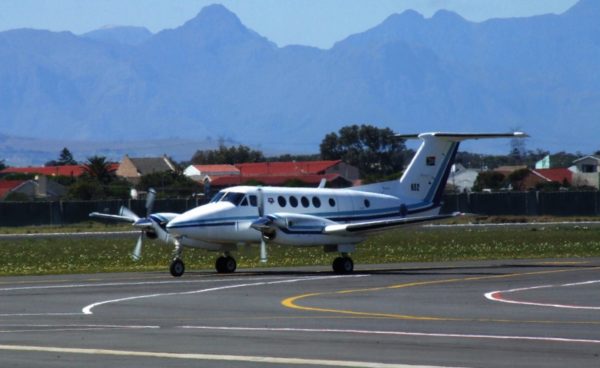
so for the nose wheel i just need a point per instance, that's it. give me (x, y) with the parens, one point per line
(177, 267)
(225, 264)
(342, 265)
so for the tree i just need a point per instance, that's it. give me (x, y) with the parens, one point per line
(376, 152)
(227, 155)
(2, 165)
(488, 180)
(65, 158)
(516, 178)
(171, 183)
(99, 169)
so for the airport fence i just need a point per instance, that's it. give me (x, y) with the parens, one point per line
(504, 203)
(525, 203)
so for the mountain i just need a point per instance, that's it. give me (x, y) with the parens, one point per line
(214, 77)
(120, 35)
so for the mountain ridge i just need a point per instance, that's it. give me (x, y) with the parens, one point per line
(213, 76)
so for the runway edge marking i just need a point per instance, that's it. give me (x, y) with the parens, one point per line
(209, 357)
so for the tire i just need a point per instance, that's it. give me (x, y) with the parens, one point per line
(225, 265)
(343, 265)
(229, 265)
(177, 268)
(220, 265)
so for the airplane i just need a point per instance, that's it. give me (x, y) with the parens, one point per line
(336, 219)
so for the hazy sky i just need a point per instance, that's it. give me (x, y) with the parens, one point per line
(307, 22)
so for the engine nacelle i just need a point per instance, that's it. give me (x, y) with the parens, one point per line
(303, 230)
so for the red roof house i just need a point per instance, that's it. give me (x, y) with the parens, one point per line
(6, 186)
(559, 175)
(66, 170)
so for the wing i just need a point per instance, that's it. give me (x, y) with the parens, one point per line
(106, 216)
(380, 225)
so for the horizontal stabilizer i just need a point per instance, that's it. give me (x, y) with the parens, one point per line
(457, 137)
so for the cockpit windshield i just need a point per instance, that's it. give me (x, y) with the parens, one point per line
(234, 197)
(217, 197)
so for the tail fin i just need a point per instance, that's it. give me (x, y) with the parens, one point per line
(424, 179)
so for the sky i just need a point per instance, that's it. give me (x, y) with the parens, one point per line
(318, 23)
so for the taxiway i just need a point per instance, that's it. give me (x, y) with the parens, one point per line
(464, 314)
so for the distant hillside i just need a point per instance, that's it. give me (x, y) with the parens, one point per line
(214, 77)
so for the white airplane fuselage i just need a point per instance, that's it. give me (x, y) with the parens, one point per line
(305, 211)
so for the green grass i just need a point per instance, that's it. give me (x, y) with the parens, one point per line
(64, 255)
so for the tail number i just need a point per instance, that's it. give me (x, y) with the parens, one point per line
(415, 187)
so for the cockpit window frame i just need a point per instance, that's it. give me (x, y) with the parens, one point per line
(234, 198)
(217, 197)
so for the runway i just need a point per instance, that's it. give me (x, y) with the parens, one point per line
(461, 314)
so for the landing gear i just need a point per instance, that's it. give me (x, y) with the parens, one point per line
(225, 264)
(177, 267)
(342, 265)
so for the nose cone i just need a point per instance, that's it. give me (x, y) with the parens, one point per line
(189, 223)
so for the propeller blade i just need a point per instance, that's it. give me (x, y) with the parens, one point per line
(263, 251)
(124, 211)
(261, 202)
(137, 251)
(150, 201)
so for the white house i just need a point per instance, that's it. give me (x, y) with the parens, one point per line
(201, 173)
(586, 171)
(461, 178)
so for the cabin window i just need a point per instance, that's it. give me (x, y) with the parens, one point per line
(244, 202)
(281, 200)
(253, 200)
(293, 201)
(305, 202)
(367, 203)
(316, 202)
(332, 202)
(217, 197)
(234, 197)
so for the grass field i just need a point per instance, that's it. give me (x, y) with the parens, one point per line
(91, 255)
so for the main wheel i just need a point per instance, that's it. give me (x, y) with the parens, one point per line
(225, 264)
(342, 265)
(177, 267)
(230, 264)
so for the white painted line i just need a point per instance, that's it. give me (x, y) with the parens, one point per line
(62, 328)
(140, 283)
(88, 309)
(37, 314)
(514, 224)
(83, 234)
(209, 357)
(498, 296)
(396, 333)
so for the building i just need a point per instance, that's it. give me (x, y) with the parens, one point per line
(289, 168)
(309, 173)
(586, 171)
(66, 170)
(39, 188)
(310, 180)
(462, 179)
(132, 168)
(535, 178)
(202, 173)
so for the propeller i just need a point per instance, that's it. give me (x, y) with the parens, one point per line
(141, 223)
(261, 214)
(150, 201)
